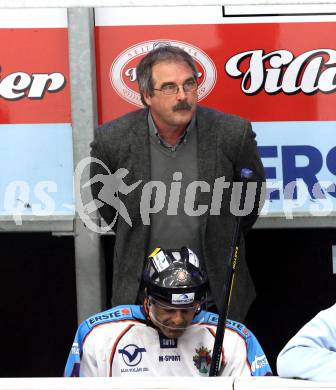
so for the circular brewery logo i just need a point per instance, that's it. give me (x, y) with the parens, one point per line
(123, 69)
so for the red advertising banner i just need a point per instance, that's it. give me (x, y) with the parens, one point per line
(277, 71)
(34, 76)
(264, 72)
(35, 117)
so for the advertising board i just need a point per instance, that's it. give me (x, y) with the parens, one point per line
(35, 118)
(278, 72)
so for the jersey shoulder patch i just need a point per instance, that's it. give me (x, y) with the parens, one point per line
(206, 318)
(212, 319)
(238, 327)
(118, 313)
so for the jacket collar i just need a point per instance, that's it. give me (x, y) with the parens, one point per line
(206, 147)
(140, 147)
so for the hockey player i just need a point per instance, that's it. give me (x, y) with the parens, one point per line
(169, 335)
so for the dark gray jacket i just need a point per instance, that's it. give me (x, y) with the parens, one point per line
(226, 143)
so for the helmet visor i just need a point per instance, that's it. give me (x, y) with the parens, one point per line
(173, 320)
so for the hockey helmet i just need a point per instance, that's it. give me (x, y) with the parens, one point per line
(175, 276)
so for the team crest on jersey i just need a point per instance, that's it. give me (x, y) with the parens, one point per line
(202, 360)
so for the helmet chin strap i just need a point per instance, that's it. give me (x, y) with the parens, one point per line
(146, 302)
(151, 317)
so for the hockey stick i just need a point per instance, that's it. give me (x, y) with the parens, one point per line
(245, 174)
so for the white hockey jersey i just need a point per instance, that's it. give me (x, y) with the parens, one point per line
(120, 342)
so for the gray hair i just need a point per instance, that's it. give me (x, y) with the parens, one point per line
(160, 54)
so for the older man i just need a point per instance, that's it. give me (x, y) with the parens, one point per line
(184, 159)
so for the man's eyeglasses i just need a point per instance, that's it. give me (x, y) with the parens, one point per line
(172, 89)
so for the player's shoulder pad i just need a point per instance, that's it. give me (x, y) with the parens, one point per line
(238, 327)
(206, 317)
(212, 319)
(117, 313)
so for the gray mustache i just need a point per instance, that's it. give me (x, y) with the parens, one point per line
(182, 106)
